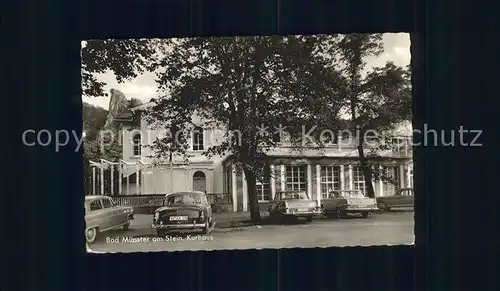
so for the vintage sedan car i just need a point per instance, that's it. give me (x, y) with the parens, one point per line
(402, 198)
(293, 204)
(340, 203)
(184, 211)
(102, 214)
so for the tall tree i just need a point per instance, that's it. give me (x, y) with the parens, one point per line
(242, 84)
(250, 86)
(127, 59)
(93, 118)
(377, 100)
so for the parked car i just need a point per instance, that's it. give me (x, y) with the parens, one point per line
(402, 198)
(340, 203)
(293, 204)
(102, 214)
(184, 211)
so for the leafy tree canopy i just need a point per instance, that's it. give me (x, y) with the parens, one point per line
(252, 85)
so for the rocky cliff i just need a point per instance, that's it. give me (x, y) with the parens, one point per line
(119, 108)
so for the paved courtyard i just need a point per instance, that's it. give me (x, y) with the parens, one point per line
(390, 228)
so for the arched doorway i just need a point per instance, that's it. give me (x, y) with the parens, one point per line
(199, 181)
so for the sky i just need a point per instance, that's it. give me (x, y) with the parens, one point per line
(396, 49)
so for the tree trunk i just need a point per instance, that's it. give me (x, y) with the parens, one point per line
(252, 195)
(367, 171)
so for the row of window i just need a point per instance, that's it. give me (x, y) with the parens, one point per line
(296, 180)
(197, 138)
(331, 138)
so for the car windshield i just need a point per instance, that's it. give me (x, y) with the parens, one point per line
(351, 194)
(294, 195)
(111, 202)
(405, 192)
(183, 199)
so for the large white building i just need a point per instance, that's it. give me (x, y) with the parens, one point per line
(334, 167)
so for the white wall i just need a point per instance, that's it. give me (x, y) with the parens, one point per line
(158, 182)
(218, 178)
(149, 134)
(155, 181)
(213, 136)
(133, 190)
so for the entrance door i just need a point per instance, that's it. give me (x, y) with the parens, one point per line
(199, 181)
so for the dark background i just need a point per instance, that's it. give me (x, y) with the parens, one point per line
(455, 69)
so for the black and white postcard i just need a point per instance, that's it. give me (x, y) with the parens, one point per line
(226, 143)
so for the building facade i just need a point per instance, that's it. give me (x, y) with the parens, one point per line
(334, 167)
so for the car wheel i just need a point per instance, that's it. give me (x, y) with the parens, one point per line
(206, 229)
(91, 234)
(323, 211)
(340, 213)
(382, 206)
(365, 214)
(126, 225)
(274, 217)
(328, 214)
(278, 218)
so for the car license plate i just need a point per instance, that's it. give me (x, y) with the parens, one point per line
(302, 210)
(178, 218)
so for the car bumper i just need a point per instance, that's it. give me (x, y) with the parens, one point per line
(361, 209)
(178, 226)
(303, 213)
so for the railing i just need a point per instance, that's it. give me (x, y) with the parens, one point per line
(157, 199)
(220, 198)
(220, 202)
(140, 200)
